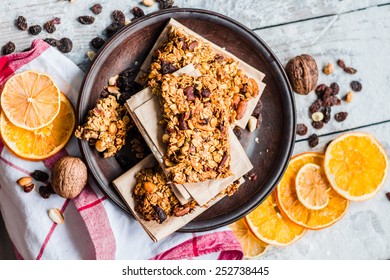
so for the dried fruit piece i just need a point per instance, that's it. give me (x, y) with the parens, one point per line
(251, 176)
(96, 9)
(326, 113)
(317, 125)
(119, 17)
(356, 86)
(313, 140)
(35, 29)
(317, 116)
(21, 23)
(53, 42)
(29, 188)
(86, 19)
(341, 63)
(50, 25)
(349, 96)
(301, 129)
(44, 192)
(328, 69)
(97, 42)
(348, 70)
(137, 12)
(40, 175)
(303, 73)
(335, 88)
(8, 48)
(315, 107)
(331, 101)
(388, 195)
(66, 45)
(166, 4)
(237, 132)
(340, 117)
(24, 181)
(112, 29)
(56, 216)
(320, 90)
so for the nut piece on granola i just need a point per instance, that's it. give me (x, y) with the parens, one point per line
(154, 198)
(106, 126)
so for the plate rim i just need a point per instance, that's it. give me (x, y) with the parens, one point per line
(284, 153)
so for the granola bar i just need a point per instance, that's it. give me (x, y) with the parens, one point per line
(154, 198)
(196, 124)
(106, 126)
(182, 49)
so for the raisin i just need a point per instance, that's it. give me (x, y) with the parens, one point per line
(237, 132)
(189, 92)
(66, 45)
(388, 196)
(313, 140)
(97, 42)
(49, 27)
(35, 29)
(182, 122)
(40, 175)
(259, 121)
(326, 111)
(119, 17)
(317, 125)
(350, 70)
(301, 129)
(341, 63)
(331, 101)
(356, 86)
(328, 93)
(137, 12)
(335, 87)
(8, 48)
(112, 29)
(320, 90)
(45, 192)
(53, 42)
(206, 93)
(160, 214)
(340, 117)
(165, 4)
(193, 45)
(86, 19)
(167, 67)
(315, 107)
(257, 111)
(96, 9)
(21, 23)
(125, 80)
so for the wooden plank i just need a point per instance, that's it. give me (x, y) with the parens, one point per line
(362, 39)
(254, 14)
(363, 233)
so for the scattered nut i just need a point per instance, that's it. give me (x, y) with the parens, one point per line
(328, 69)
(165, 138)
(24, 181)
(69, 177)
(112, 81)
(150, 187)
(113, 89)
(100, 146)
(241, 109)
(349, 97)
(302, 72)
(91, 55)
(252, 123)
(180, 211)
(28, 188)
(317, 116)
(127, 21)
(56, 216)
(112, 129)
(148, 3)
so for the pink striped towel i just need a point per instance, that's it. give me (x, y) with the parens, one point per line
(94, 227)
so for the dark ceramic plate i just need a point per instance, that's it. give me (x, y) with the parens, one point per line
(269, 147)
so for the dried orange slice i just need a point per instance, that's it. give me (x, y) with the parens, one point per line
(252, 246)
(269, 225)
(290, 205)
(30, 100)
(44, 142)
(356, 166)
(312, 187)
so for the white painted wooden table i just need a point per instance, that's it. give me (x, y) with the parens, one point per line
(357, 31)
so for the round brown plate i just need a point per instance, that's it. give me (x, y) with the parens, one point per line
(269, 147)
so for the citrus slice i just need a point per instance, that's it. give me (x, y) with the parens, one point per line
(30, 100)
(312, 187)
(44, 142)
(252, 246)
(269, 225)
(290, 205)
(356, 166)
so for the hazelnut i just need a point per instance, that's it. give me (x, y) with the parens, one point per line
(317, 116)
(69, 177)
(349, 97)
(302, 72)
(328, 69)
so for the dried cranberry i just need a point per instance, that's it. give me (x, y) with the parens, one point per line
(86, 19)
(160, 214)
(335, 87)
(237, 132)
(96, 9)
(53, 42)
(167, 67)
(35, 29)
(320, 90)
(350, 70)
(97, 42)
(341, 63)
(313, 140)
(40, 175)
(137, 12)
(66, 45)
(166, 4)
(112, 29)
(8, 48)
(301, 129)
(331, 101)
(340, 117)
(317, 125)
(326, 111)
(119, 17)
(21, 23)
(189, 92)
(44, 192)
(356, 86)
(315, 107)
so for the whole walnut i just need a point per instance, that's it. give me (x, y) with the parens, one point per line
(69, 177)
(302, 72)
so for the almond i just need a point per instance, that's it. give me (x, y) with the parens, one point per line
(56, 215)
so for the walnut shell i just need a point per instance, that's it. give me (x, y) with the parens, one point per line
(302, 72)
(69, 177)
